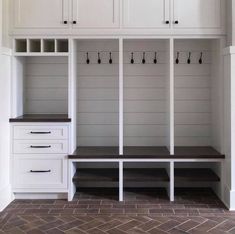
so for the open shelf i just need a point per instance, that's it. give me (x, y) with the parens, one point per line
(62, 45)
(96, 175)
(42, 87)
(49, 45)
(195, 175)
(145, 175)
(35, 45)
(21, 45)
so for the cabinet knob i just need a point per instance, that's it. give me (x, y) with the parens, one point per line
(74, 22)
(65, 22)
(167, 21)
(176, 22)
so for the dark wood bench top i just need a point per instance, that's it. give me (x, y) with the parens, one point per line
(146, 153)
(41, 118)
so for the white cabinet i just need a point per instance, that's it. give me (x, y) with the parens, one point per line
(40, 13)
(194, 14)
(95, 14)
(146, 13)
(39, 153)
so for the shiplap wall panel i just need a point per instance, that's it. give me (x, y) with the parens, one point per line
(97, 93)
(193, 94)
(46, 85)
(145, 93)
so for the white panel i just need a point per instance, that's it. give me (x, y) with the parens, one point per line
(197, 13)
(96, 14)
(135, 13)
(24, 177)
(40, 14)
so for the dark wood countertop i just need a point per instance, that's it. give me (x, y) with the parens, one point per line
(146, 152)
(41, 118)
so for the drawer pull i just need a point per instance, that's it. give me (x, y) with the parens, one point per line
(47, 171)
(40, 146)
(40, 132)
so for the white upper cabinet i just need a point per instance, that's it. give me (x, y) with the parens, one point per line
(146, 13)
(95, 13)
(40, 13)
(118, 16)
(197, 14)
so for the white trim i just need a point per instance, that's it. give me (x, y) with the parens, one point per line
(41, 195)
(229, 50)
(6, 51)
(120, 181)
(5, 197)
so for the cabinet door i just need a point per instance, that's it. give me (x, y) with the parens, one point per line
(197, 13)
(146, 13)
(40, 13)
(95, 13)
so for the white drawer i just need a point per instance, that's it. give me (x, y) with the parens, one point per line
(40, 146)
(33, 172)
(40, 132)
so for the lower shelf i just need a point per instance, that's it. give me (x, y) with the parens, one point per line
(195, 175)
(94, 176)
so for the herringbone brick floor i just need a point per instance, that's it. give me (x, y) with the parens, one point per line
(99, 212)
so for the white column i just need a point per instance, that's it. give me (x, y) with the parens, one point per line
(120, 181)
(229, 127)
(121, 96)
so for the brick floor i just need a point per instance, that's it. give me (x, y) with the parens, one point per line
(143, 211)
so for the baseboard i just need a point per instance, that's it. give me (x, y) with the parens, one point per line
(41, 196)
(5, 197)
(229, 198)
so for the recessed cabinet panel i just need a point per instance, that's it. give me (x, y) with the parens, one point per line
(146, 13)
(95, 14)
(197, 14)
(40, 14)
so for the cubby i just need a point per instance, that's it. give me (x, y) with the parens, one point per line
(35, 45)
(97, 93)
(49, 45)
(146, 93)
(41, 85)
(198, 98)
(21, 45)
(62, 46)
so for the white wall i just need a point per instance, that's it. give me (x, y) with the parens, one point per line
(5, 78)
(5, 71)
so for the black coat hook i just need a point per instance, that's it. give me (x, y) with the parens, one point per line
(200, 60)
(110, 58)
(87, 58)
(155, 58)
(189, 58)
(132, 58)
(177, 58)
(143, 59)
(99, 60)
